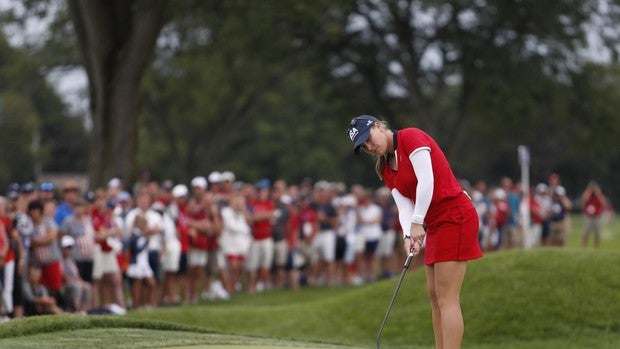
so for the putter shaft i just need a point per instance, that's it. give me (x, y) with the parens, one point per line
(400, 281)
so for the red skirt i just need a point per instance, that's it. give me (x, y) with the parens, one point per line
(452, 233)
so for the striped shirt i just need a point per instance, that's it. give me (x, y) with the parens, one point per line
(46, 254)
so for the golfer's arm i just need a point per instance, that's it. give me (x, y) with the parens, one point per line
(405, 210)
(423, 168)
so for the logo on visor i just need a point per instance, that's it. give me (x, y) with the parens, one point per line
(353, 133)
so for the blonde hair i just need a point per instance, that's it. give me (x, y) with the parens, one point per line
(380, 160)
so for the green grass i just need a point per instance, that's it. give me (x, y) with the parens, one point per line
(543, 298)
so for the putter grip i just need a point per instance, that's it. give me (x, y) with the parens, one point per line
(409, 259)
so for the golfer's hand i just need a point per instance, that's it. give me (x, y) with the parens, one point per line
(417, 234)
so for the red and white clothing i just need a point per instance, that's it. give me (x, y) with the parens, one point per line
(426, 191)
(9, 267)
(47, 256)
(236, 236)
(593, 206)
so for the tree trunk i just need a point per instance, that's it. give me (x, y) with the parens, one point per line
(117, 39)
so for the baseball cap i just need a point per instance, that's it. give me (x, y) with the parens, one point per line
(228, 176)
(114, 183)
(47, 186)
(90, 196)
(123, 196)
(199, 182)
(179, 190)
(158, 206)
(167, 185)
(26, 188)
(12, 191)
(67, 241)
(542, 188)
(359, 130)
(215, 177)
(264, 183)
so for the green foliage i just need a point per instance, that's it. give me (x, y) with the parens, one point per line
(34, 125)
(253, 104)
(266, 88)
(17, 128)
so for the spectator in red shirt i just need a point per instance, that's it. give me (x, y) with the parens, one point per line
(7, 259)
(260, 256)
(178, 211)
(107, 277)
(594, 202)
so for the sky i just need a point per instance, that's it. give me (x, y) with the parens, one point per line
(70, 84)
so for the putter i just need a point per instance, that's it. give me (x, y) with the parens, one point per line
(400, 281)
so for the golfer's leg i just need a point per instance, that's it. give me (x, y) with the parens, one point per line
(436, 313)
(448, 280)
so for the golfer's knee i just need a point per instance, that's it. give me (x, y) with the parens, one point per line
(432, 296)
(444, 298)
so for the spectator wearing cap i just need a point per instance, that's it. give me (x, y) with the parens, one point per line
(12, 192)
(555, 186)
(115, 187)
(28, 191)
(107, 276)
(178, 211)
(213, 202)
(44, 251)
(501, 216)
(123, 205)
(236, 238)
(260, 256)
(165, 192)
(228, 181)
(47, 192)
(153, 232)
(593, 205)
(199, 187)
(218, 188)
(171, 255)
(540, 206)
(70, 193)
(560, 207)
(76, 292)
(79, 227)
(139, 270)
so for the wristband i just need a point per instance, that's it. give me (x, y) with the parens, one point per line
(406, 237)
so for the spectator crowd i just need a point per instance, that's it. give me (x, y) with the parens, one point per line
(64, 248)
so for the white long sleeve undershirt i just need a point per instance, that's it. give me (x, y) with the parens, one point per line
(423, 168)
(408, 211)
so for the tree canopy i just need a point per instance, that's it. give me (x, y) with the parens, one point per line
(266, 88)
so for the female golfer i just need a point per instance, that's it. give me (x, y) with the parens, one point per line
(427, 194)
